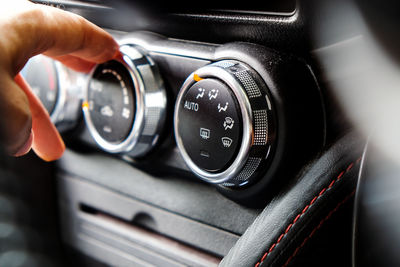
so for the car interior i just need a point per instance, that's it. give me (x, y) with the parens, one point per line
(257, 133)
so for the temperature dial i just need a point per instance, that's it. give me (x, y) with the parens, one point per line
(42, 75)
(125, 103)
(224, 123)
(58, 88)
(111, 101)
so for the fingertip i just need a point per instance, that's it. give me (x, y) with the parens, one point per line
(48, 145)
(55, 155)
(118, 55)
(111, 53)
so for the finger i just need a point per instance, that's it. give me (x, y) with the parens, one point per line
(82, 38)
(43, 29)
(79, 64)
(16, 122)
(75, 63)
(26, 147)
(47, 142)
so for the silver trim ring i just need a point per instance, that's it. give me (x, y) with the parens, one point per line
(247, 119)
(68, 107)
(62, 92)
(132, 139)
(61, 87)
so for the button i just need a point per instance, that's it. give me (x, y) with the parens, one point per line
(222, 108)
(205, 133)
(228, 123)
(209, 124)
(226, 141)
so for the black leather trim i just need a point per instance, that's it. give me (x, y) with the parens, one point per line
(321, 249)
(300, 207)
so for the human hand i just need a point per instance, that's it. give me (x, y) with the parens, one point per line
(28, 29)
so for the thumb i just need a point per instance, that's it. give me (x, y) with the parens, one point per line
(15, 122)
(47, 142)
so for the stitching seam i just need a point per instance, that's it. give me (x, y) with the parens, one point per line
(296, 219)
(318, 227)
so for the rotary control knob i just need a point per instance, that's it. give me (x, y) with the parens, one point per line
(58, 88)
(125, 103)
(224, 124)
(42, 74)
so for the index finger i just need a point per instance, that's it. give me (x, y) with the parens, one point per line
(43, 29)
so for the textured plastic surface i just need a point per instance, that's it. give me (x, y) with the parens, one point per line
(95, 220)
(191, 199)
(287, 32)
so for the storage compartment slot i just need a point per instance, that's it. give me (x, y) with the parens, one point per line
(121, 231)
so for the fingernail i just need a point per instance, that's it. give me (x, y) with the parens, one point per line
(26, 147)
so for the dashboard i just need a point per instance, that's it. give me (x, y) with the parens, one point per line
(231, 128)
(218, 137)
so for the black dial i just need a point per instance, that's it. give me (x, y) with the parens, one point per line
(111, 102)
(41, 74)
(223, 123)
(210, 124)
(125, 104)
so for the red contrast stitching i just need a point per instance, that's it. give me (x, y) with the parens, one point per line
(305, 210)
(317, 228)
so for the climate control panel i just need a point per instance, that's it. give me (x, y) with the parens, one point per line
(233, 115)
(224, 123)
